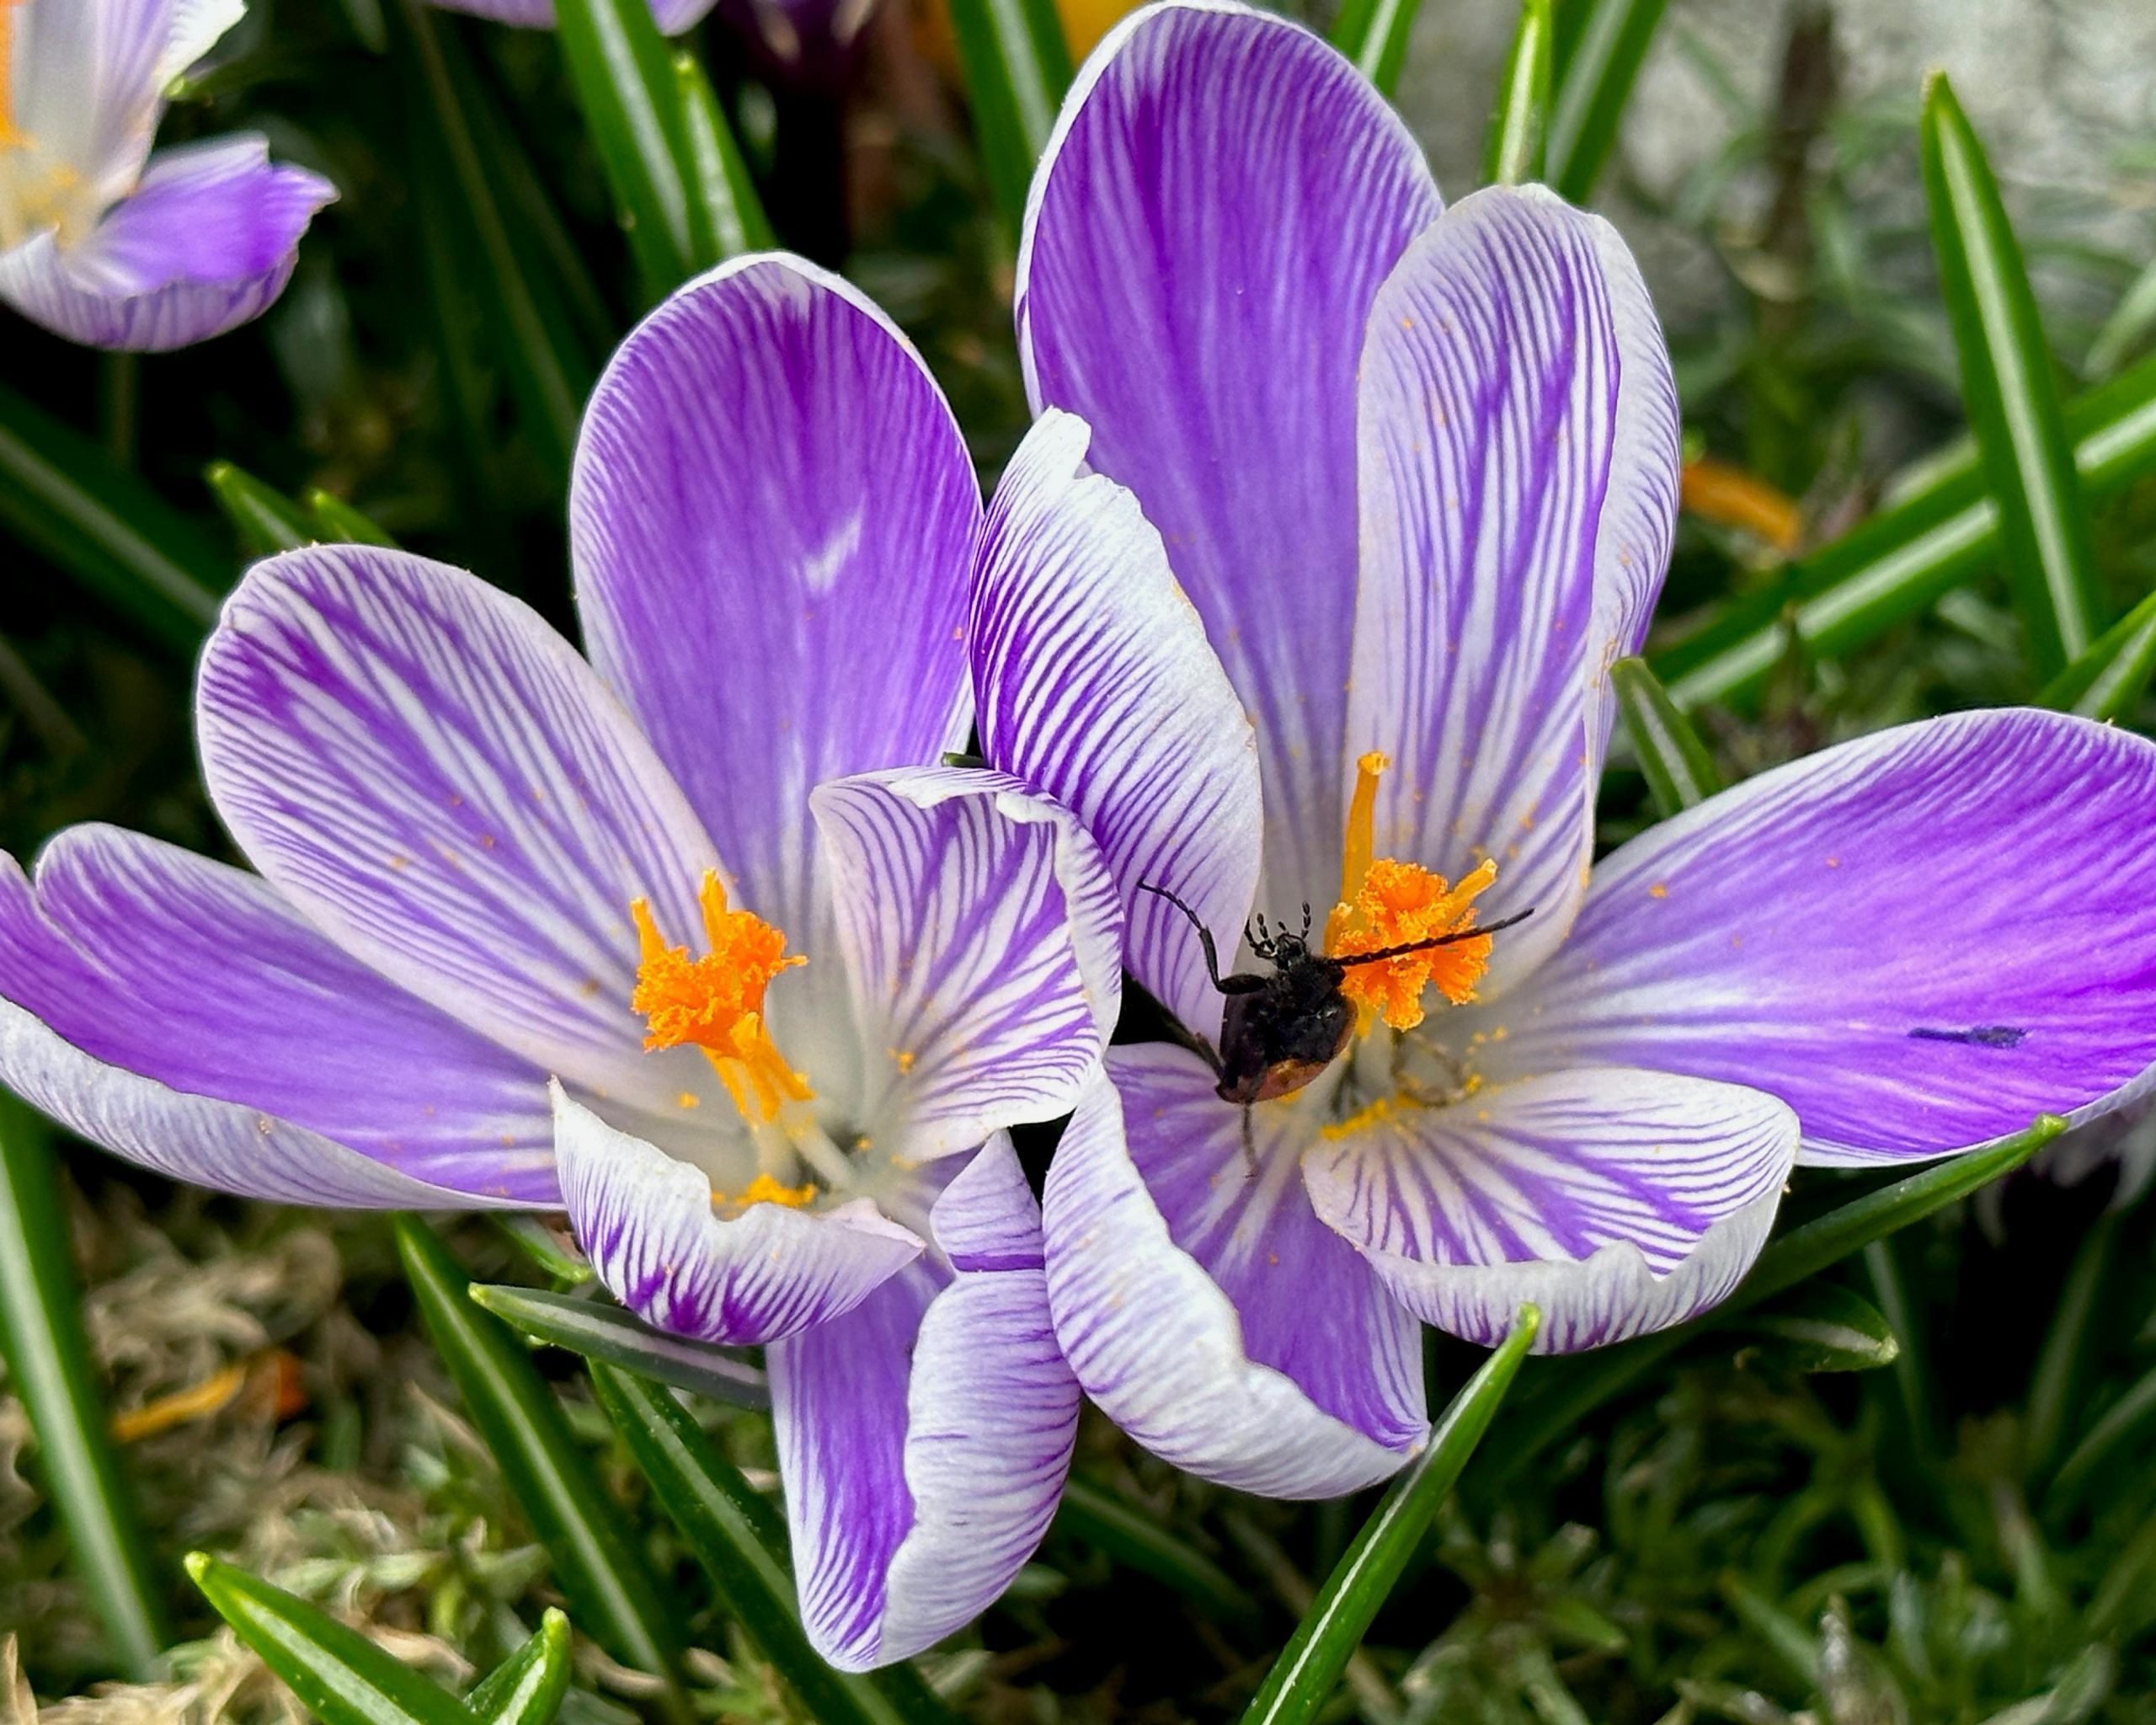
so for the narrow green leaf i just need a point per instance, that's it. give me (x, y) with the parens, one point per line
(2065, 1343)
(2126, 1418)
(740, 1540)
(1519, 126)
(2131, 320)
(1599, 47)
(632, 99)
(1302, 1679)
(338, 1675)
(61, 494)
(1138, 1542)
(548, 374)
(1912, 1382)
(527, 1688)
(1374, 35)
(1824, 1328)
(607, 1582)
(1679, 769)
(548, 1251)
(48, 1370)
(2109, 680)
(337, 520)
(1895, 565)
(266, 521)
(602, 1331)
(1016, 65)
(1567, 1390)
(2007, 388)
(719, 177)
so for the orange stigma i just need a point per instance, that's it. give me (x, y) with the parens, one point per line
(716, 1003)
(1386, 903)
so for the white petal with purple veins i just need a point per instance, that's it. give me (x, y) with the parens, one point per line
(1205, 1308)
(1918, 940)
(645, 1220)
(199, 977)
(1206, 232)
(1618, 1201)
(980, 930)
(438, 782)
(1092, 679)
(1518, 443)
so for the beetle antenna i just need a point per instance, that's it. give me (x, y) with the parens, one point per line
(1204, 934)
(1442, 940)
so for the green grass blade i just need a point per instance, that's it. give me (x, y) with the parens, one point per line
(62, 495)
(1302, 1679)
(625, 81)
(1822, 1328)
(1567, 1390)
(600, 1331)
(2007, 388)
(733, 218)
(2109, 680)
(336, 520)
(1016, 65)
(2129, 1417)
(1138, 1542)
(740, 1540)
(548, 375)
(1519, 126)
(547, 1251)
(1679, 769)
(1901, 561)
(1374, 35)
(554, 1482)
(48, 1369)
(2066, 1345)
(2130, 322)
(527, 1688)
(339, 1676)
(266, 521)
(1599, 47)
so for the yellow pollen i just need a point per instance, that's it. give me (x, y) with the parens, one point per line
(716, 1003)
(763, 1189)
(7, 133)
(1387, 903)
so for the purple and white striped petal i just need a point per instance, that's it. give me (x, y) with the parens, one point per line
(1203, 1306)
(981, 935)
(433, 777)
(925, 1437)
(772, 514)
(197, 976)
(645, 1220)
(673, 17)
(1518, 443)
(1207, 229)
(52, 1054)
(206, 242)
(1918, 940)
(1092, 679)
(1618, 1201)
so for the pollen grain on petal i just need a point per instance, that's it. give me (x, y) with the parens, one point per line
(1397, 905)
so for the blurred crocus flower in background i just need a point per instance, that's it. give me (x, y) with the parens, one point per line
(687, 939)
(101, 241)
(673, 17)
(1416, 470)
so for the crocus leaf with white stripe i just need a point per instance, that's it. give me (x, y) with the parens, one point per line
(723, 963)
(101, 241)
(1902, 947)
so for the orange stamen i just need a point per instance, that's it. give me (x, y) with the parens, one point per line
(716, 1003)
(7, 133)
(763, 1189)
(1387, 903)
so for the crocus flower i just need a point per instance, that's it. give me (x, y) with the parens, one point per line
(1416, 470)
(101, 241)
(673, 17)
(680, 939)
